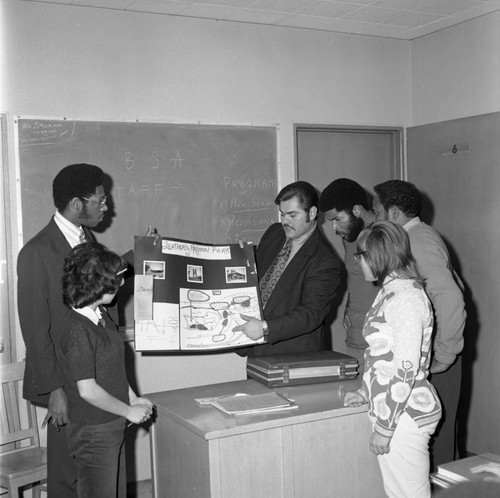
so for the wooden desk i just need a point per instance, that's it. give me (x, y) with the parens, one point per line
(319, 450)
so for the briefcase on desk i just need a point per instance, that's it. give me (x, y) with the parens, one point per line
(294, 369)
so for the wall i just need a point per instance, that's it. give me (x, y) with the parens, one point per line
(456, 74)
(103, 64)
(463, 189)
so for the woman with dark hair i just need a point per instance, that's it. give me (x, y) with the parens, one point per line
(403, 405)
(93, 362)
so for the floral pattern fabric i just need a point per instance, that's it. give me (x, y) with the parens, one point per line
(398, 330)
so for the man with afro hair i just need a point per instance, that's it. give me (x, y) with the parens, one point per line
(345, 205)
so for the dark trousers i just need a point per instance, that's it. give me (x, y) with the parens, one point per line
(61, 469)
(99, 454)
(443, 443)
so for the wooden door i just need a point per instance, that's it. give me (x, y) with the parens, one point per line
(367, 155)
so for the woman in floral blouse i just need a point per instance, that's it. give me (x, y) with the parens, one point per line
(403, 405)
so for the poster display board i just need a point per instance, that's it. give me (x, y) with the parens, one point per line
(189, 296)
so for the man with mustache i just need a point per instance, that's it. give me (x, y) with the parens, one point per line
(345, 205)
(299, 275)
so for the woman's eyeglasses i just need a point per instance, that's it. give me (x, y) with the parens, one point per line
(357, 255)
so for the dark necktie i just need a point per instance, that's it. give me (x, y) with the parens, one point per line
(273, 273)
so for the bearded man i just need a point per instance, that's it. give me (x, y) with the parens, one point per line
(344, 203)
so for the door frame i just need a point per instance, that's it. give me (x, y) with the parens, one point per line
(398, 135)
(8, 338)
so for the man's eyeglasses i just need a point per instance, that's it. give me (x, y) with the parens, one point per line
(357, 255)
(101, 203)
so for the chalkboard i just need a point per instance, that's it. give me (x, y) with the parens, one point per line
(208, 183)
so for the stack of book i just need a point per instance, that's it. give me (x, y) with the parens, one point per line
(452, 473)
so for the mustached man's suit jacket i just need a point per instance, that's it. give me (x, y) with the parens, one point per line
(303, 297)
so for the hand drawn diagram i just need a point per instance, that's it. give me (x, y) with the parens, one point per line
(207, 318)
(204, 320)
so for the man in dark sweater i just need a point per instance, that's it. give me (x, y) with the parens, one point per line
(345, 205)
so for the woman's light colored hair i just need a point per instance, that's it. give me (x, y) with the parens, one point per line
(386, 249)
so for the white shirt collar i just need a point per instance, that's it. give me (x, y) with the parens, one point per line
(410, 224)
(70, 231)
(88, 312)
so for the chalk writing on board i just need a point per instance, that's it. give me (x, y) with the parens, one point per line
(236, 204)
(138, 190)
(249, 183)
(43, 132)
(154, 161)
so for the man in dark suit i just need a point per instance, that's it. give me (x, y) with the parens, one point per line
(80, 200)
(295, 307)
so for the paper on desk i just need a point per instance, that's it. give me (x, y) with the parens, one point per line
(210, 401)
(245, 404)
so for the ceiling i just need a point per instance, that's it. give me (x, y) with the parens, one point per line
(403, 19)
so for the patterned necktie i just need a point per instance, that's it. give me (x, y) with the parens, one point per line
(82, 236)
(273, 273)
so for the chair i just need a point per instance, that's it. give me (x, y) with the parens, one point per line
(22, 460)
